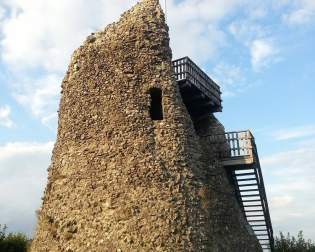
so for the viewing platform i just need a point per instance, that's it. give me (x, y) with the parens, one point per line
(240, 158)
(200, 93)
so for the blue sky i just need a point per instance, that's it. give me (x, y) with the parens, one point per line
(261, 53)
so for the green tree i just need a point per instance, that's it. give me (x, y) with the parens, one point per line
(290, 243)
(12, 242)
(2, 232)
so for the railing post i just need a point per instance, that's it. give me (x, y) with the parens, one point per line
(250, 146)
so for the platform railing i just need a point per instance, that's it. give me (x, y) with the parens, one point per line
(186, 69)
(240, 143)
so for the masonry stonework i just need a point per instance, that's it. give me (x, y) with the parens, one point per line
(120, 181)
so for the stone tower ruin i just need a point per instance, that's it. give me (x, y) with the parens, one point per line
(131, 170)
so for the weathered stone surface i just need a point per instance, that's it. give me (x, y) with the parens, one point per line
(120, 181)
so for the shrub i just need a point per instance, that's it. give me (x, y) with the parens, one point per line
(290, 243)
(12, 242)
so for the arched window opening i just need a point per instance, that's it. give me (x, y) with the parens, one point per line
(156, 108)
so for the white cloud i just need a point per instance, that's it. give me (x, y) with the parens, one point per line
(39, 95)
(22, 179)
(292, 133)
(294, 161)
(230, 78)
(50, 121)
(303, 13)
(245, 31)
(39, 36)
(258, 40)
(44, 33)
(200, 43)
(2, 12)
(258, 13)
(206, 10)
(35, 38)
(281, 3)
(281, 201)
(289, 180)
(262, 53)
(201, 19)
(5, 119)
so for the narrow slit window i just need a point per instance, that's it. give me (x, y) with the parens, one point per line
(156, 108)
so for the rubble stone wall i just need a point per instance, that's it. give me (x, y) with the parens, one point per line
(120, 181)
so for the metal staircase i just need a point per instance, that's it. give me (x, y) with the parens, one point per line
(237, 150)
(241, 161)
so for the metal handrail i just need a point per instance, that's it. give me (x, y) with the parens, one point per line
(186, 69)
(238, 143)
